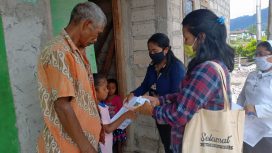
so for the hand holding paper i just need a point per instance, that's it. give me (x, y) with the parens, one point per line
(145, 109)
(154, 101)
(132, 104)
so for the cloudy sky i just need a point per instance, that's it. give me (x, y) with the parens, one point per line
(244, 7)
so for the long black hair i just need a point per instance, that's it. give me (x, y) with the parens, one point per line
(214, 45)
(163, 42)
(98, 79)
(114, 81)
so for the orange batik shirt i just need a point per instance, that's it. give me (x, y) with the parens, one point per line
(64, 71)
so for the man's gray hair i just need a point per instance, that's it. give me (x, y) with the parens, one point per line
(88, 11)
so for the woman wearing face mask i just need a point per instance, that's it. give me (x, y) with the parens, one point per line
(256, 95)
(205, 34)
(163, 76)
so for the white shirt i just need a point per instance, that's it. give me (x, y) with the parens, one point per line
(257, 91)
(105, 118)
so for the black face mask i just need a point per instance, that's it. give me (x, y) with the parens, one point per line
(157, 57)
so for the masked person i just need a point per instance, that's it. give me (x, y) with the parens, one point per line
(256, 96)
(163, 76)
(206, 34)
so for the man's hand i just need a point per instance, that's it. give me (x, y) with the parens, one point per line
(71, 125)
(102, 135)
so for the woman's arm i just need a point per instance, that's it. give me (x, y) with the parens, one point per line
(204, 84)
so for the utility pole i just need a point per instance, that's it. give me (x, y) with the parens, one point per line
(259, 24)
(269, 35)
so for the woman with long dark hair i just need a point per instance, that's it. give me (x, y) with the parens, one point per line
(204, 41)
(163, 76)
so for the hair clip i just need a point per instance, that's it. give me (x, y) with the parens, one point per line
(221, 20)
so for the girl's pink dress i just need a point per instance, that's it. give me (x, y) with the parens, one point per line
(115, 104)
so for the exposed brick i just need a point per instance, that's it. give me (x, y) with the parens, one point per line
(141, 58)
(177, 41)
(147, 145)
(177, 26)
(143, 15)
(139, 72)
(138, 81)
(143, 29)
(140, 44)
(141, 3)
(146, 121)
(148, 132)
(179, 54)
(175, 12)
(177, 2)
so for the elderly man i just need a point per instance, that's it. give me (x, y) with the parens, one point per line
(67, 94)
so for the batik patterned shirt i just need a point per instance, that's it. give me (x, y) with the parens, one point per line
(64, 71)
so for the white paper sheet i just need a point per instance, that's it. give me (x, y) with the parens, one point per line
(133, 103)
(235, 106)
(254, 130)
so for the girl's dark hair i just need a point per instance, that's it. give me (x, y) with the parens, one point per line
(266, 45)
(114, 81)
(214, 45)
(98, 78)
(163, 42)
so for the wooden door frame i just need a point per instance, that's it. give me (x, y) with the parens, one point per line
(119, 47)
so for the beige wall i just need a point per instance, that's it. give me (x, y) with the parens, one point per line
(219, 7)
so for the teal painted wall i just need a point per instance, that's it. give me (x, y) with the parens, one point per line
(60, 14)
(8, 132)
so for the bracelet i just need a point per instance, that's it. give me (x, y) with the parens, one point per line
(251, 113)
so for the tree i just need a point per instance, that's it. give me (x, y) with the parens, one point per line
(247, 50)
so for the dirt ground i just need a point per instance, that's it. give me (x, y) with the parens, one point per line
(238, 78)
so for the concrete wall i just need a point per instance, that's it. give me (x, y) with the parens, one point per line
(219, 7)
(26, 30)
(222, 8)
(141, 19)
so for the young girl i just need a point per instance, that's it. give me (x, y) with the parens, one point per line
(115, 103)
(100, 83)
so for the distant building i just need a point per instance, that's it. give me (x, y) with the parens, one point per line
(241, 34)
